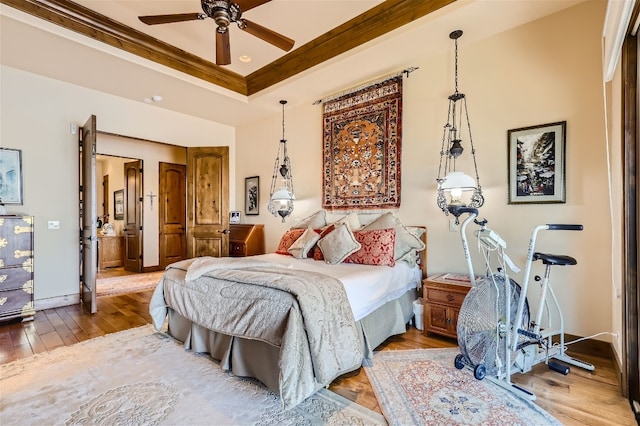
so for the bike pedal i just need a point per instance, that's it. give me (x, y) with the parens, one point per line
(558, 367)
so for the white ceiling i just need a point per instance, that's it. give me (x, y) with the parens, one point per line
(40, 47)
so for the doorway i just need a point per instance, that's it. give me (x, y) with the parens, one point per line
(111, 206)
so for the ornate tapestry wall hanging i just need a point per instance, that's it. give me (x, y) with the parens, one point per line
(362, 147)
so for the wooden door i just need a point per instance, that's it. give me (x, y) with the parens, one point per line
(173, 212)
(208, 201)
(88, 216)
(132, 228)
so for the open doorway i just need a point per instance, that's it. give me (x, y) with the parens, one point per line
(114, 152)
(111, 209)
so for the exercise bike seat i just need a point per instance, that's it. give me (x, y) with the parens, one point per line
(554, 259)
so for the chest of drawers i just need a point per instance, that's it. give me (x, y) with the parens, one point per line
(16, 267)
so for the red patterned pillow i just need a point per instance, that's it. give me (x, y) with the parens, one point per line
(377, 247)
(317, 253)
(288, 239)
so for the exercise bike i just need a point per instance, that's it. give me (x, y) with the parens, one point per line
(496, 335)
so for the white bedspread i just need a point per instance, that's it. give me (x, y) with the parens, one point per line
(368, 287)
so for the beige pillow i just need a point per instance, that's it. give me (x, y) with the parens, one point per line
(315, 221)
(302, 245)
(405, 240)
(352, 220)
(338, 244)
(411, 257)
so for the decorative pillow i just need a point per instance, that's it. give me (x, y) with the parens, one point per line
(411, 257)
(377, 247)
(405, 240)
(301, 247)
(352, 220)
(287, 240)
(338, 244)
(317, 253)
(316, 220)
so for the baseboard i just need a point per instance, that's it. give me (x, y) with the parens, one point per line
(152, 268)
(591, 347)
(56, 302)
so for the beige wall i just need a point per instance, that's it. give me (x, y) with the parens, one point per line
(36, 113)
(546, 71)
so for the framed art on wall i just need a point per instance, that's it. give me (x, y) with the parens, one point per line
(10, 176)
(118, 204)
(537, 164)
(252, 195)
(234, 216)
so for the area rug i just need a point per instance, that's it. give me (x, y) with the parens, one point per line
(422, 387)
(128, 283)
(138, 377)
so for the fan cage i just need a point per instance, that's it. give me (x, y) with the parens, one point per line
(482, 330)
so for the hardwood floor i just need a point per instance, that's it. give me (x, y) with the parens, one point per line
(581, 398)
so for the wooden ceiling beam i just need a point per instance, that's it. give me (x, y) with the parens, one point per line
(367, 26)
(84, 21)
(385, 17)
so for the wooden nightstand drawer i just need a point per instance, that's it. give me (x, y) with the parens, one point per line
(236, 249)
(445, 297)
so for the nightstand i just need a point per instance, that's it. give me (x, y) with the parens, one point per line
(443, 295)
(246, 240)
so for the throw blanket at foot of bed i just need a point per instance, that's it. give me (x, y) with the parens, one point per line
(307, 315)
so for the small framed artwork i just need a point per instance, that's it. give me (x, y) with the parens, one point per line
(10, 176)
(252, 195)
(118, 204)
(234, 216)
(537, 164)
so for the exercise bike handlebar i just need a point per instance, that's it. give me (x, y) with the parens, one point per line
(561, 227)
(458, 210)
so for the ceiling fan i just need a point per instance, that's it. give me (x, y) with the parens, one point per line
(225, 12)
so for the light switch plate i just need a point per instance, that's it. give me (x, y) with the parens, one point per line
(54, 224)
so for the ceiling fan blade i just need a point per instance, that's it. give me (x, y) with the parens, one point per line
(167, 19)
(270, 36)
(223, 48)
(250, 4)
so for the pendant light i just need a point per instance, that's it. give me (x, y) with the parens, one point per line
(281, 194)
(456, 188)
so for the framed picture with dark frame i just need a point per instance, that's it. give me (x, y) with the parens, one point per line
(118, 204)
(252, 195)
(537, 161)
(10, 176)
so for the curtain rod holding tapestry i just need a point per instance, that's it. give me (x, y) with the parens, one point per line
(405, 71)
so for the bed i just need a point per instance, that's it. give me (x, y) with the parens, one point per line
(293, 323)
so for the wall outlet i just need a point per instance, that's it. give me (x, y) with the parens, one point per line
(453, 225)
(53, 224)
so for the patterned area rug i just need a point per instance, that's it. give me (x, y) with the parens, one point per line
(128, 283)
(138, 377)
(422, 387)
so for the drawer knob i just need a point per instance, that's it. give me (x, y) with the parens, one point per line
(450, 297)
